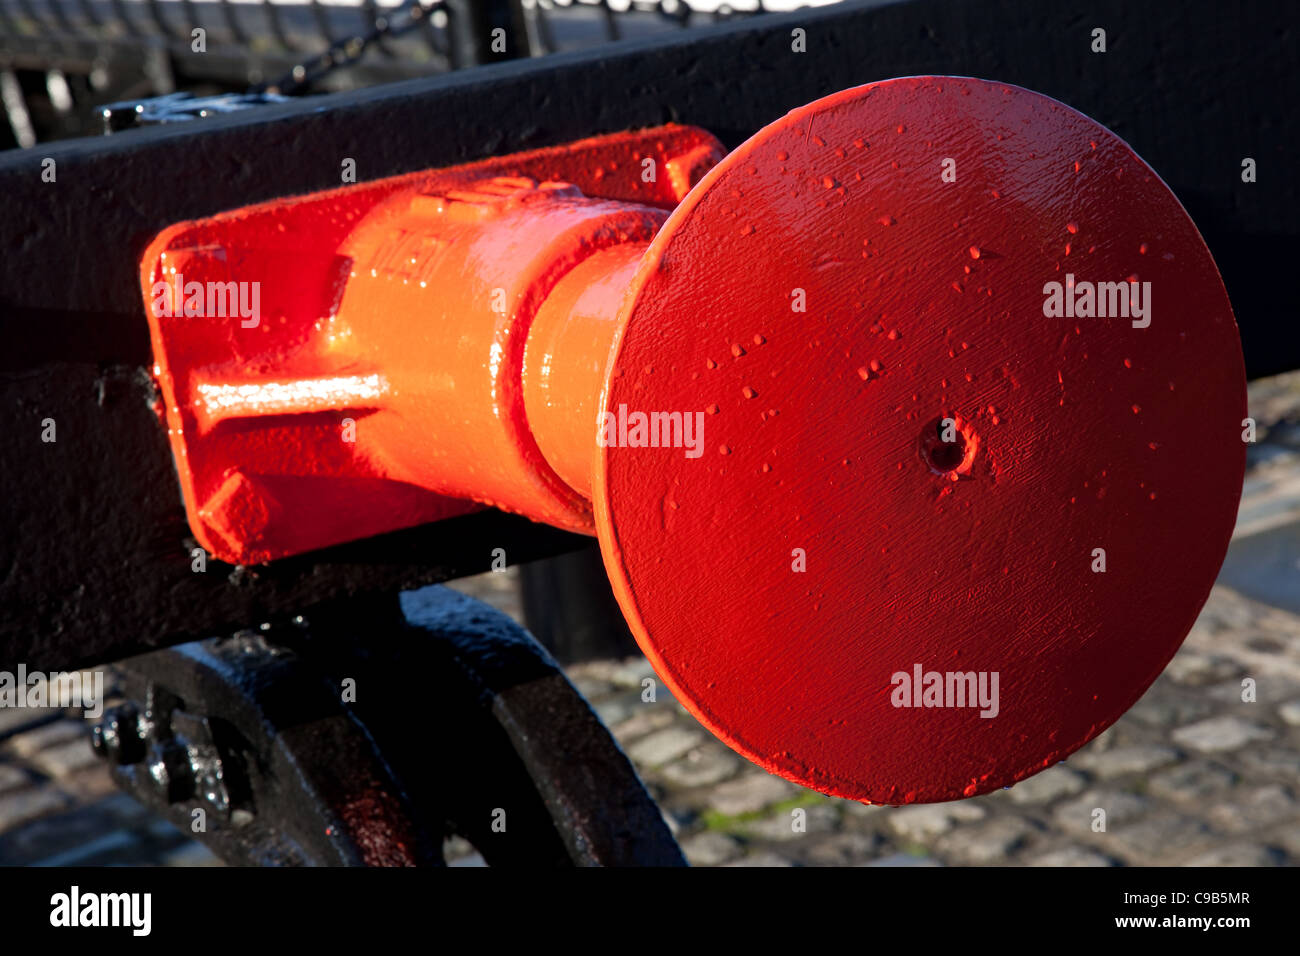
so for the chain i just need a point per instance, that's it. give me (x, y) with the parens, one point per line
(343, 53)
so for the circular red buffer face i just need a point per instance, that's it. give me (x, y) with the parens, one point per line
(969, 396)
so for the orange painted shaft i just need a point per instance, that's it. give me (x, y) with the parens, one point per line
(569, 347)
(513, 287)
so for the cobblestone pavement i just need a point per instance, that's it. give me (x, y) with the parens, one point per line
(1192, 775)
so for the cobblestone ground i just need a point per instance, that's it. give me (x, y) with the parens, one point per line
(1191, 775)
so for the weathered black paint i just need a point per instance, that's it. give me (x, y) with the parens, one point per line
(457, 713)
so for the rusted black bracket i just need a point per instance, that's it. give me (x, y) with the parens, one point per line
(366, 735)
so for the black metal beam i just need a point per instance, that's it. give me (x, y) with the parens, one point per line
(91, 544)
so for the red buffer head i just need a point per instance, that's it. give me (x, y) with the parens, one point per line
(971, 396)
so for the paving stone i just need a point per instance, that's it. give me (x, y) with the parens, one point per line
(1162, 840)
(866, 810)
(649, 718)
(1265, 645)
(818, 818)
(1226, 611)
(1261, 807)
(904, 859)
(633, 671)
(1102, 742)
(1122, 761)
(1164, 710)
(1290, 712)
(602, 668)
(1052, 784)
(1220, 734)
(664, 745)
(670, 820)
(14, 720)
(11, 777)
(1240, 854)
(990, 842)
(191, 854)
(1195, 780)
(1196, 670)
(61, 731)
(711, 849)
(1271, 760)
(1287, 837)
(20, 806)
(1076, 816)
(615, 710)
(592, 688)
(750, 793)
(844, 849)
(1072, 856)
(762, 858)
(454, 847)
(62, 760)
(1227, 697)
(702, 767)
(928, 820)
(1286, 434)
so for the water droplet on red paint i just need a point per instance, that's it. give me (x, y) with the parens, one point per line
(902, 128)
(759, 340)
(887, 220)
(737, 350)
(1072, 227)
(748, 392)
(782, 155)
(1142, 249)
(713, 409)
(724, 450)
(974, 252)
(766, 467)
(1137, 409)
(1128, 363)
(747, 230)
(864, 373)
(709, 363)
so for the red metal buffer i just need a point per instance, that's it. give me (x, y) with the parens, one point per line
(910, 430)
